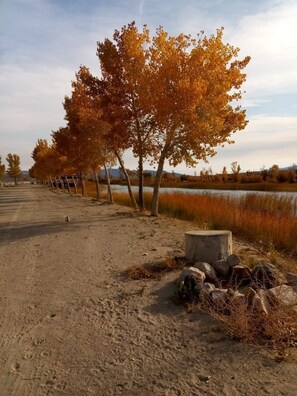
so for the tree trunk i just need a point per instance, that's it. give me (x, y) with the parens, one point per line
(109, 193)
(158, 178)
(51, 182)
(62, 183)
(208, 245)
(83, 185)
(68, 186)
(140, 184)
(75, 184)
(97, 185)
(133, 200)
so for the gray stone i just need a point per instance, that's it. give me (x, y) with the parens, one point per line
(266, 275)
(239, 274)
(259, 306)
(221, 267)
(237, 299)
(190, 284)
(209, 286)
(219, 299)
(284, 295)
(208, 270)
(249, 294)
(202, 290)
(199, 275)
(291, 278)
(233, 260)
(199, 288)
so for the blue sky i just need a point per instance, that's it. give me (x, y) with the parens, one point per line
(43, 43)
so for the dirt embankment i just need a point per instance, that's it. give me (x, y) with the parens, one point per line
(72, 324)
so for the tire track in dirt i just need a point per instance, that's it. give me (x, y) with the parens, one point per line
(75, 325)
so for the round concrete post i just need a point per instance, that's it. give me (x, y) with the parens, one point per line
(208, 245)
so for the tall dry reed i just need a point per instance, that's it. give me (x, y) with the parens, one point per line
(269, 220)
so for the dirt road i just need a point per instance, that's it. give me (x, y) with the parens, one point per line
(72, 324)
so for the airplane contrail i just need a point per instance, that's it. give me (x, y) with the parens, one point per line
(141, 6)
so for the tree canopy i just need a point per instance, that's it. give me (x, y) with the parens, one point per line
(14, 169)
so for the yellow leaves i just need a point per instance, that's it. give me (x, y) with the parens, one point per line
(176, 90)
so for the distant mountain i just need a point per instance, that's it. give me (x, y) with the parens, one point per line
(292, 167)
(117, 173)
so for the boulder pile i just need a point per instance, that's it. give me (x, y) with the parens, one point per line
(227, 283)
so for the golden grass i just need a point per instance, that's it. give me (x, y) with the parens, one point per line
(154, 270)
(276, 328)
(270, 220)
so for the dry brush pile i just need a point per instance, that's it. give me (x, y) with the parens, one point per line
(258, 305)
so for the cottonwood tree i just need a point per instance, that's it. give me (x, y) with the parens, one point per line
(89, 109)
(116, 137)
(194, 82)
(2, 169)
(38, 170)
(70, 146)
(14, 169)
(225, 174)
(235, 168)
(81, 141)
(48, 163)
(123, 64)
(177, 95)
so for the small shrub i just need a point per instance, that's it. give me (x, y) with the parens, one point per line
(277, 328)
(155, 270)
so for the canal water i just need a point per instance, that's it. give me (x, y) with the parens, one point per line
(234, 193)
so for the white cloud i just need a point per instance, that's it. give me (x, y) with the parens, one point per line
(270, 39)
(45, 41)
(267, 140)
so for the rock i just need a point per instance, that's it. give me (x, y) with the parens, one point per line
(260, 303)
(67, 219)
(265, 275)
(208, 270)
(259, 306)
(233, 260)
(200, 276)
(203, 290)
(240, 275)
(219, 299)
(190, 279)
(284, 295)
(204, 378)
(238, 299)
(221, 267)
(199, 288)
(291, 279)
(249, 294)
(209, 287)
(189, 286)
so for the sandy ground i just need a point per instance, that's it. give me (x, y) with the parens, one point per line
(72, 324)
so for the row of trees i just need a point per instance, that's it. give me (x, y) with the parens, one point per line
(166, 98)
(13, 169)
(272, 175)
